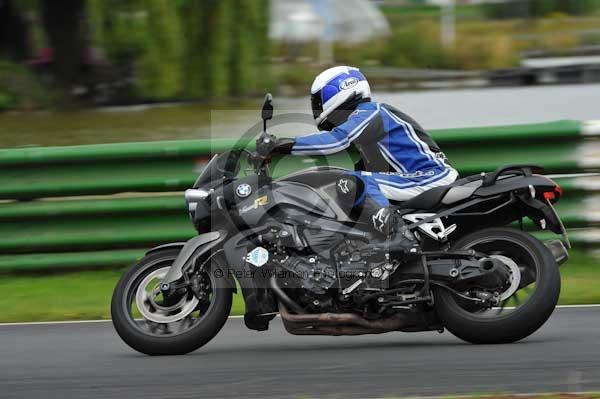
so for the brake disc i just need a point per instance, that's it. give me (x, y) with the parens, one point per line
(515, 276)
(145, 299)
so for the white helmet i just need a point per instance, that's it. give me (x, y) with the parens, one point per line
(337, 88)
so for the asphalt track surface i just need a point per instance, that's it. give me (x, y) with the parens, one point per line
(88, 360)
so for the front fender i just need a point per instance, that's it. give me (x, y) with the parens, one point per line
(191, 250)
(171, 245)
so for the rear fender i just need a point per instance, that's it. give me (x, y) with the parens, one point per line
(537, 210)
(524, 189)
(512, 183)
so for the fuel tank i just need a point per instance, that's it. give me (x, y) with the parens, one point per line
(320, 177)
(310, 192)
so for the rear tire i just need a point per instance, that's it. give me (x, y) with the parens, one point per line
(195, 337)
(518, 323)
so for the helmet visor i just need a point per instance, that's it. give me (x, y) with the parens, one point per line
(316, 103)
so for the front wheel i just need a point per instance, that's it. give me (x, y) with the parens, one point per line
(524, 306)
(180, 323)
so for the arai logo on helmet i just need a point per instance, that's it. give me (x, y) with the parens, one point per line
(243, 190)
(348, 83)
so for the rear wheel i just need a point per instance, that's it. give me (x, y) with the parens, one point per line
(183, 322)
(524, 306)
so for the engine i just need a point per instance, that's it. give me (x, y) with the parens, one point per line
(323, 269)
(310, 273)
(347, 268)
(360, 268)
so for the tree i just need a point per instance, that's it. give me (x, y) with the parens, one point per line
(226, 47)
(14, 40)
(66, 30)
(160, 64)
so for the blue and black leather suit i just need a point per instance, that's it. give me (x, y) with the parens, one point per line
(399, 159)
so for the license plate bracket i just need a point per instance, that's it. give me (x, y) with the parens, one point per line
(563, 230)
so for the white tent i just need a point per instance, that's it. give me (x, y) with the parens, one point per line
(331, 20)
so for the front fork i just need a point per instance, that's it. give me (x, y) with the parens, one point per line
(192, 250)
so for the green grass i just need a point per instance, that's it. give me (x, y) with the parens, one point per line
(86, 295)
(580, 280)
(424, 11)
(95, 126)
(69, 296)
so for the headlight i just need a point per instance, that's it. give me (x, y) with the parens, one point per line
(195, 195)
(195, 199)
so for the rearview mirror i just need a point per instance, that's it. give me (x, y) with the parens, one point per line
(267, 109)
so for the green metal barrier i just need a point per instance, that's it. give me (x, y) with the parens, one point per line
(49, 220)
(566, 129)
(31, 173)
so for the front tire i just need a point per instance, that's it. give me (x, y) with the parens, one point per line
(168, 336)
(493, 327)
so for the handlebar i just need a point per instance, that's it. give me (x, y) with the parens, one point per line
(262, 157)
(264, 144)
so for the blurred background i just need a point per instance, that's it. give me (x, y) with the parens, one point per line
(106, 106)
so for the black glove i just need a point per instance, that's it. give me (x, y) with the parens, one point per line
(269, 144)
(284, 146)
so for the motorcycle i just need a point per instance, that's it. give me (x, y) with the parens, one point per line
(292, 251)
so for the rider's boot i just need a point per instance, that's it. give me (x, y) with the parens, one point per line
(388, 225)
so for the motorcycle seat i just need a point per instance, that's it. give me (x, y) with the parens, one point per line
(427, 200)
(443, 195)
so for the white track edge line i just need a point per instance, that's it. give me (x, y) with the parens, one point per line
(49, 323)
(494, 395)
(42, 323)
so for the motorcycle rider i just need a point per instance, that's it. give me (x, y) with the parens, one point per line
(399, 160)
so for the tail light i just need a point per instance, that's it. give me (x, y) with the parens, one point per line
(553, 195)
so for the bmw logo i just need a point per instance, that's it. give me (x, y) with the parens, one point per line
(243, 190)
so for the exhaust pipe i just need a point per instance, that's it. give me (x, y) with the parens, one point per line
(340, 323)
(283, 297)
(302, 323)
